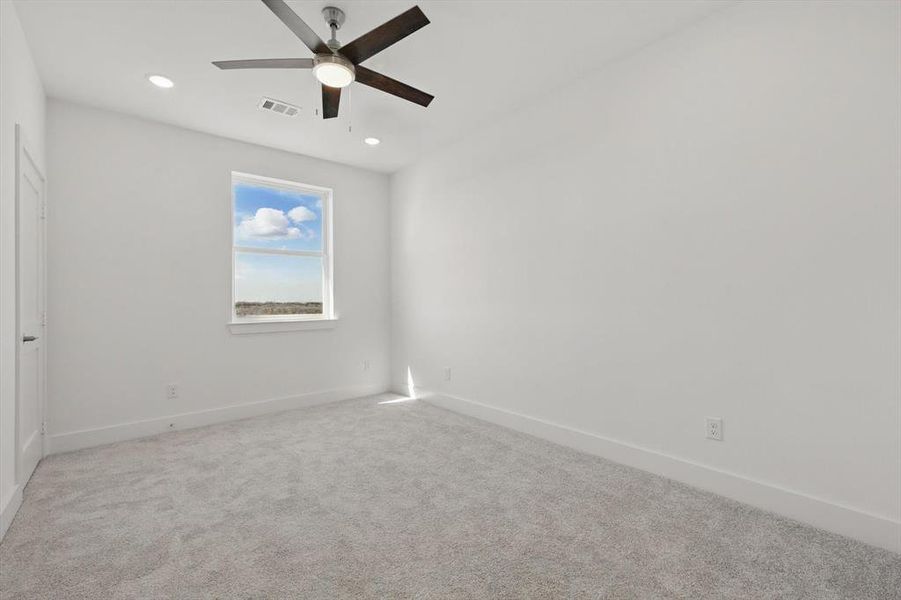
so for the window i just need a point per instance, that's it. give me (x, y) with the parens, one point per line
(281, 251)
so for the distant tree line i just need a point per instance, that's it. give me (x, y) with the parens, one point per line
(244, 309)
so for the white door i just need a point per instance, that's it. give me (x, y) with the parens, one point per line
(30, 252)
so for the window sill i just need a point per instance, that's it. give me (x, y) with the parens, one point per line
(242, 327)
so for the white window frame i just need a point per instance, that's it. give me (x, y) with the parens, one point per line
(264, 323)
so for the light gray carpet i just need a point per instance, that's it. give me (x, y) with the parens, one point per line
(403, 500)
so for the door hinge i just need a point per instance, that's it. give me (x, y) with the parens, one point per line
(43, 428)
(44, 319)
(43, 210)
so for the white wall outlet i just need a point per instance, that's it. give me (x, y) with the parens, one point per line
(366, 365)
(172, 391)
(447, 373)
(714, 428)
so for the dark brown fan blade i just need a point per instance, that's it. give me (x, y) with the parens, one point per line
(331, 97)
(266, 63)
(392, 86)
(297, 25)
(370, 44)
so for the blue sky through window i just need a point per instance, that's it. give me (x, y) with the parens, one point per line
(275, 218)
(277, 278)
(269, 218)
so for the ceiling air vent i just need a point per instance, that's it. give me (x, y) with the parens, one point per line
(277, 106)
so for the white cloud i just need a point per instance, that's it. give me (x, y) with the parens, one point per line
(268, 223)
(299, 214)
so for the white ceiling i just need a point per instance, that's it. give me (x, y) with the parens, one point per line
(479, 59)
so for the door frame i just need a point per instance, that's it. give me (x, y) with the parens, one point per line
(24, 153)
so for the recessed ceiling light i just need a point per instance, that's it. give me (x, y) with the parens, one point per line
(372, 141)
(160, 81)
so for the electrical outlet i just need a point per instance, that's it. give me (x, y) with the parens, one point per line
(366, 365)
(172, 391)
(447, 373)
(715, 428)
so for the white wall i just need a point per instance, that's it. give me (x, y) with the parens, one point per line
(707, 227)
(140, 276)
(21, 101)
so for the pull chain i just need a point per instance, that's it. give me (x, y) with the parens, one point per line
(350, 109)
(317, 93)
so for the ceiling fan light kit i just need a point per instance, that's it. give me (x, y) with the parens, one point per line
(336, 66)
(333, 70)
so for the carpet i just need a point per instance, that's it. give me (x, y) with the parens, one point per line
(368, 499)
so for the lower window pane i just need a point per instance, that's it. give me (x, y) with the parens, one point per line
(276, 284)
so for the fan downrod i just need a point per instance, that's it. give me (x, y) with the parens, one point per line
(335, 18)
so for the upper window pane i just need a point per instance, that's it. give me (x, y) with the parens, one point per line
(277, 218)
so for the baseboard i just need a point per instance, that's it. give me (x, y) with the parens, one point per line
(76, 440)
(32, 453)
(865, 527)
(11, 506)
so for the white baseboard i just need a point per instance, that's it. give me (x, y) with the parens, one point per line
(10, 507)
(32, 453)
(868, 528)
(76, 440)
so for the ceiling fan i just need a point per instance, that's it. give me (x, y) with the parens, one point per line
(337, 66)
